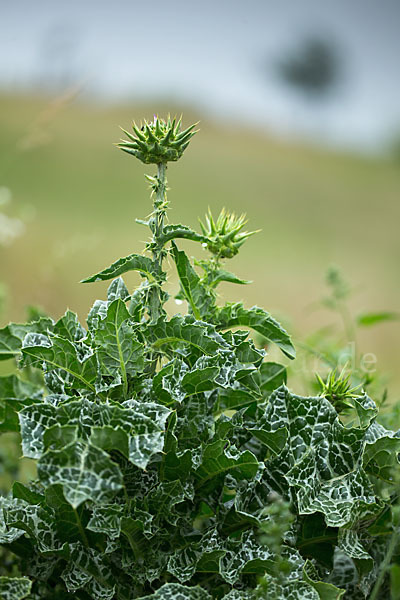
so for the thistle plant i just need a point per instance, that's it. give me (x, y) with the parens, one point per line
(162, 443)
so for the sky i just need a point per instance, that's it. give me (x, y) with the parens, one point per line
(218, 55)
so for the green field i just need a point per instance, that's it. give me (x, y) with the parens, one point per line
(314, 207)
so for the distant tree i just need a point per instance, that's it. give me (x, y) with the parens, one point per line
(313, 67)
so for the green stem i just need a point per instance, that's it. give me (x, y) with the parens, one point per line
(160, 200)
(385, 565)
(127, 499)
(160, 203)
(80, 528)
(215, 266)
(348, 323)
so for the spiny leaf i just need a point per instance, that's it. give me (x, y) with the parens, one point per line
(89, 571)
(133, 531)
(34, 421)
(289, 590)
(133, 262)
(84, 471)
(40, 423)
(175, 381)
(165, 496)
(135, 429)
(185, 330)
(175, 591)
(38, 523)
(245, 556)
(175, 464)
(381, 452)
(274, 440)
(172, 232)
(15, 394)
(119, 352)
(69, 520)
(222, 275)
(68, 327)
(117, 290)
(219, 459)
(131, 431)
(182, 563)
(344, 575)
(106, 519)
(167, 383)
(8, 535)
(24, 493)
(197, 296)
(366, 410)
(61, 354)
(258, 319)
(14, 588)
(239, 595)
(322, 458)
(12, 336)
(349, 541)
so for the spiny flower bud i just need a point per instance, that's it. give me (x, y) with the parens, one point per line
(224, 235)
(337, 389)
(158, 141)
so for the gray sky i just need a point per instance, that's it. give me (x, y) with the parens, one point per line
(216, 54)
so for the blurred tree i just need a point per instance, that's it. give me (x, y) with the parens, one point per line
(313, 67)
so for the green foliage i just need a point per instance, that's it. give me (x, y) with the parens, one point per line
(14, 588)
(368, 319)
(173, 461)
(337, 348)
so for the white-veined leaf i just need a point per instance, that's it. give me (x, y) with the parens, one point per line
(232, 315)
(14, 588)
(175, 591)
(84, 472)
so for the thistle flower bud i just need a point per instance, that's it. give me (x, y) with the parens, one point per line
(158, 141)
(224, 235)
(337, 389)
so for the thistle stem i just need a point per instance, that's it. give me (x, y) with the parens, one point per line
(160, 204)
(159, 212)
(385, 564)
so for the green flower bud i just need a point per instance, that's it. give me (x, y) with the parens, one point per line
(224, 235)
(158, 141)
(337, 389)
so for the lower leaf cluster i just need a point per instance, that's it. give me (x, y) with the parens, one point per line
(174, 463)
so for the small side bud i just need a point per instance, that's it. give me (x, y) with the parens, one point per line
(225, 235)
(337, 389)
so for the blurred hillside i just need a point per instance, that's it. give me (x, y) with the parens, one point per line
(314, 207)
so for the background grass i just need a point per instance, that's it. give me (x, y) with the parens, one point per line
(314, 207)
